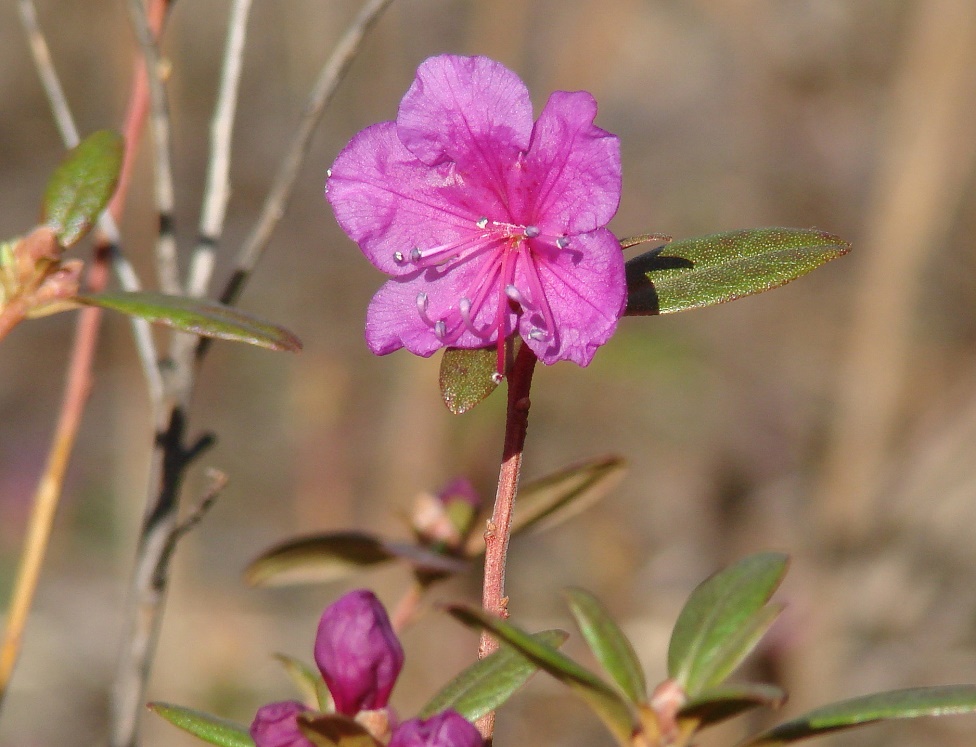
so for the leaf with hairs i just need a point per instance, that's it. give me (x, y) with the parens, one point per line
(208, 728)
(199, 316)
(608, 643)
(708, 270)
(81, 186)
(944, 700)
(488, 683)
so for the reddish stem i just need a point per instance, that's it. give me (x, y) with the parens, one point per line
(499, 527)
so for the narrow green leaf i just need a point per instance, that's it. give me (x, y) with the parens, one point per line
(615, 712)
(309, 682)
(645, 238)
(487, 684)
(322, 558)
(335, 730)
(466, 377)
(199, 316)
(721, 703)
(709, 631)
(721, 267)
(945, 700)
(317, 559)
(608, 643)
(81, 186)
(736, 647)
(551, 500)
(208, 728)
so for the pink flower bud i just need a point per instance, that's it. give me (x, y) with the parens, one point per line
(276, 725)
(358, 653)
(447, 729)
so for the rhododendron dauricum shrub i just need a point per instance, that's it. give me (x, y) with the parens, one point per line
(492, 227)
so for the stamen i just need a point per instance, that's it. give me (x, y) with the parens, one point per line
(562, 242)
(464, 305)
(516, 295)
(531, 232)
(422, 310)
(482, 222)
(398, 257)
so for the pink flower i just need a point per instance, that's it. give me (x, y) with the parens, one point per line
(488, 224)
(358, 653)
(446, 729)
(276, 725)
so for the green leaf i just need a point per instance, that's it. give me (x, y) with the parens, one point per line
(608, 643)
(721, 703)
(208, 728)
(487, 684)
(466, 377)
(80, 188)
(737, 646)
(551, 500)
(719, 620)
(912, 703)
(199, 316)
(309, 682)
(615, 712)
(335, 730)
(693, 273)
(329, 557)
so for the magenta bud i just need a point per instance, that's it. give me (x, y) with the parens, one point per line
(446, 729)
(460, 489)
(276, 725)
(358, 653)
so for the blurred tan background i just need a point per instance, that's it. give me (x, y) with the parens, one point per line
(834, 419)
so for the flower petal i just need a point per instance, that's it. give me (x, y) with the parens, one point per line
(585, 287)
(446, 729)
(572, 173)
(471, 111)
(387, 201)
(393, 320)
(276, 725)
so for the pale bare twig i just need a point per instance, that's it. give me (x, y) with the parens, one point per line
(166, 256)
(277, 200)
(217, 191)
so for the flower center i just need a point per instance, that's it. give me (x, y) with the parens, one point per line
(492, 295)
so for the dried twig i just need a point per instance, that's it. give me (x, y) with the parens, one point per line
(166, 259)
(320, 96)
(216, 192)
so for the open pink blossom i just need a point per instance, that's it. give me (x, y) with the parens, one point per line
(488, 224)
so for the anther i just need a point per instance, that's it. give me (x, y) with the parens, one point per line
(415, 254)
(482, 222)
(328, 173)
(516, 295)
(538, 334)
(562, 242)
(440, 329)
(398, 257)
(422, 310)
(531, 232)
(497, 378)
